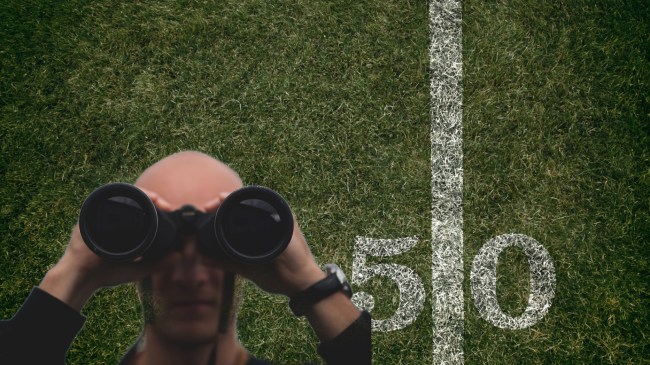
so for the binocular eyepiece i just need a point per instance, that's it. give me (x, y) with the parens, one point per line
(119, 222)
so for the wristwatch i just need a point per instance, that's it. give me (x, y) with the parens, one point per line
(333, 283)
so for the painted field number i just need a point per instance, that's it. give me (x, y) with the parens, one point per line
(411, 289)
(483, 280)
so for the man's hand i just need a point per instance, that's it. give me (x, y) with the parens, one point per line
(80, 272)
(292, 272)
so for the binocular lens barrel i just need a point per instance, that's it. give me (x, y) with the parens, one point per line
(120, 223)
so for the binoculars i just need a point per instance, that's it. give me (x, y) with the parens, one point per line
(119, 222)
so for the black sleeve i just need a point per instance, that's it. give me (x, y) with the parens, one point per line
(352, 346)
(40, 332)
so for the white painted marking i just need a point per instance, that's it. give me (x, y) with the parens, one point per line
(445, 56)
(411, 289)
(484, 281)
(447, 181)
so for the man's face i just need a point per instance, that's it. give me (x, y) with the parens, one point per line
(184, 298)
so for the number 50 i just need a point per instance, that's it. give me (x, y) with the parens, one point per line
(483, 281)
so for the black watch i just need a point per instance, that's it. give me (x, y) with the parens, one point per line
(333, 283)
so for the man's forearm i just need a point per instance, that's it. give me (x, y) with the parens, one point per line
(332, 315)
(67, 285)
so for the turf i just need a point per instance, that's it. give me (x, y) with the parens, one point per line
(556, 147)
(309, 98)
(328, 103)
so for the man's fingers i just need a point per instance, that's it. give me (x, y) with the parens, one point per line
(163, 204)
(215, 203)
(158, 200)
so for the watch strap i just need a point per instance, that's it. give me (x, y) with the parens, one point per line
(301, 302)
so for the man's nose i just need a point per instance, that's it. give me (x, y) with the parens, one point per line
(190, 267)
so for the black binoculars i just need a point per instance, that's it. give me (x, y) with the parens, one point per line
(119, 222)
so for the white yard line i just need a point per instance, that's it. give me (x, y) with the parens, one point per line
(447, 181)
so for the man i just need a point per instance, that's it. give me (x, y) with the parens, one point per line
(185, 293)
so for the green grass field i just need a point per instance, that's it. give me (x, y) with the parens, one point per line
(328, 103)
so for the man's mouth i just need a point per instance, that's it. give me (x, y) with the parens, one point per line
(194, 305)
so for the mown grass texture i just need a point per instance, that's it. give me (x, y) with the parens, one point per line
(327, 102)
(556, 147)
(302, 97)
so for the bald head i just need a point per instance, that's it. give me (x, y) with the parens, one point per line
(189, 177)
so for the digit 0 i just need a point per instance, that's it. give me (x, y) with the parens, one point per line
(484, 281)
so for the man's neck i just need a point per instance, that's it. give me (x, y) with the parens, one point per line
(227, 351)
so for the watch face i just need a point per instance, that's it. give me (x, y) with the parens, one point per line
(334, 269)
(347, 289)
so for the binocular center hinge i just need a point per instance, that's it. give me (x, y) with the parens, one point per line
(188, 214)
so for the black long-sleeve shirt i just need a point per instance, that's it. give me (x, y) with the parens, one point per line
(44, 327)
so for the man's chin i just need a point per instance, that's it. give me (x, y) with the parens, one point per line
(189, 334)
(196, 341)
